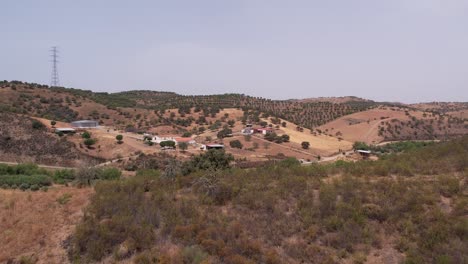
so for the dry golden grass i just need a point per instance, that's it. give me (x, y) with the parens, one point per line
(36, 224)
(363, 126)
(322, 144)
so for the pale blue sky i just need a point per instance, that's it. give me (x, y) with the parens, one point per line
(393, 50)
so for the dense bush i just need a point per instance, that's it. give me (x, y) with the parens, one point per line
(25, 176)
(211, 160)
(63, 176)
(168, 143)
(37, 125)
(235, 144)
(26, 181)
(109, 174)
(87, 176)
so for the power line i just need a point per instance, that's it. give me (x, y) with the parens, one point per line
(54, 80)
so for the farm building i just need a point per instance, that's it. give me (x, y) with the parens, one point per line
(85, 124)
(212, 146)
(264, 131)
(247, 131)
(158, 139)
(65, 130)
(364, 153)
(177, 140)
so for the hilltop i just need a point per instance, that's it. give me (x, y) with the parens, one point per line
(335, 100)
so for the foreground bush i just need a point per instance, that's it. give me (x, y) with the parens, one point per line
(281, 213)
(25, 181)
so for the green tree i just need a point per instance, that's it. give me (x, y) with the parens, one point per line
(86, 135)
(167, 143)
(183, 146)
(305, 144)
(187, 134)
(285, 138)
(224, 133)
(53, 123)
(89, 142)
(236, 144)
(271, 136)
(119, 139)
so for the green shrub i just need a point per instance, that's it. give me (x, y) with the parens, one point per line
(24, 186)
(168, 143)
(109, 174)
(63, 176)
(89, 142)
(86, 135)
(235, 144)
(37, 125)
(25, 181)
(64, 199)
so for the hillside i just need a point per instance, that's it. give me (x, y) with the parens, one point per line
(387, 123)
(23, 139)
(67, 104)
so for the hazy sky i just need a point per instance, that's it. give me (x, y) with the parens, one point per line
(393, 50)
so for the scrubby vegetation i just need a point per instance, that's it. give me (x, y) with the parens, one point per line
(23, 176)
(284, 212)
(30, 176)
(20, 138)
(432, 126)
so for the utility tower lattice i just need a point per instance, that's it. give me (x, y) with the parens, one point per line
(54, 82)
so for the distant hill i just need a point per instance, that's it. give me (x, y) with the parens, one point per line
(389, 123)
(441, 107)
(335, 100)
(67, 104)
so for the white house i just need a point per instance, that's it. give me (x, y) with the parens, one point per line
(177, 140)
(265, 130)
(158, 139)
